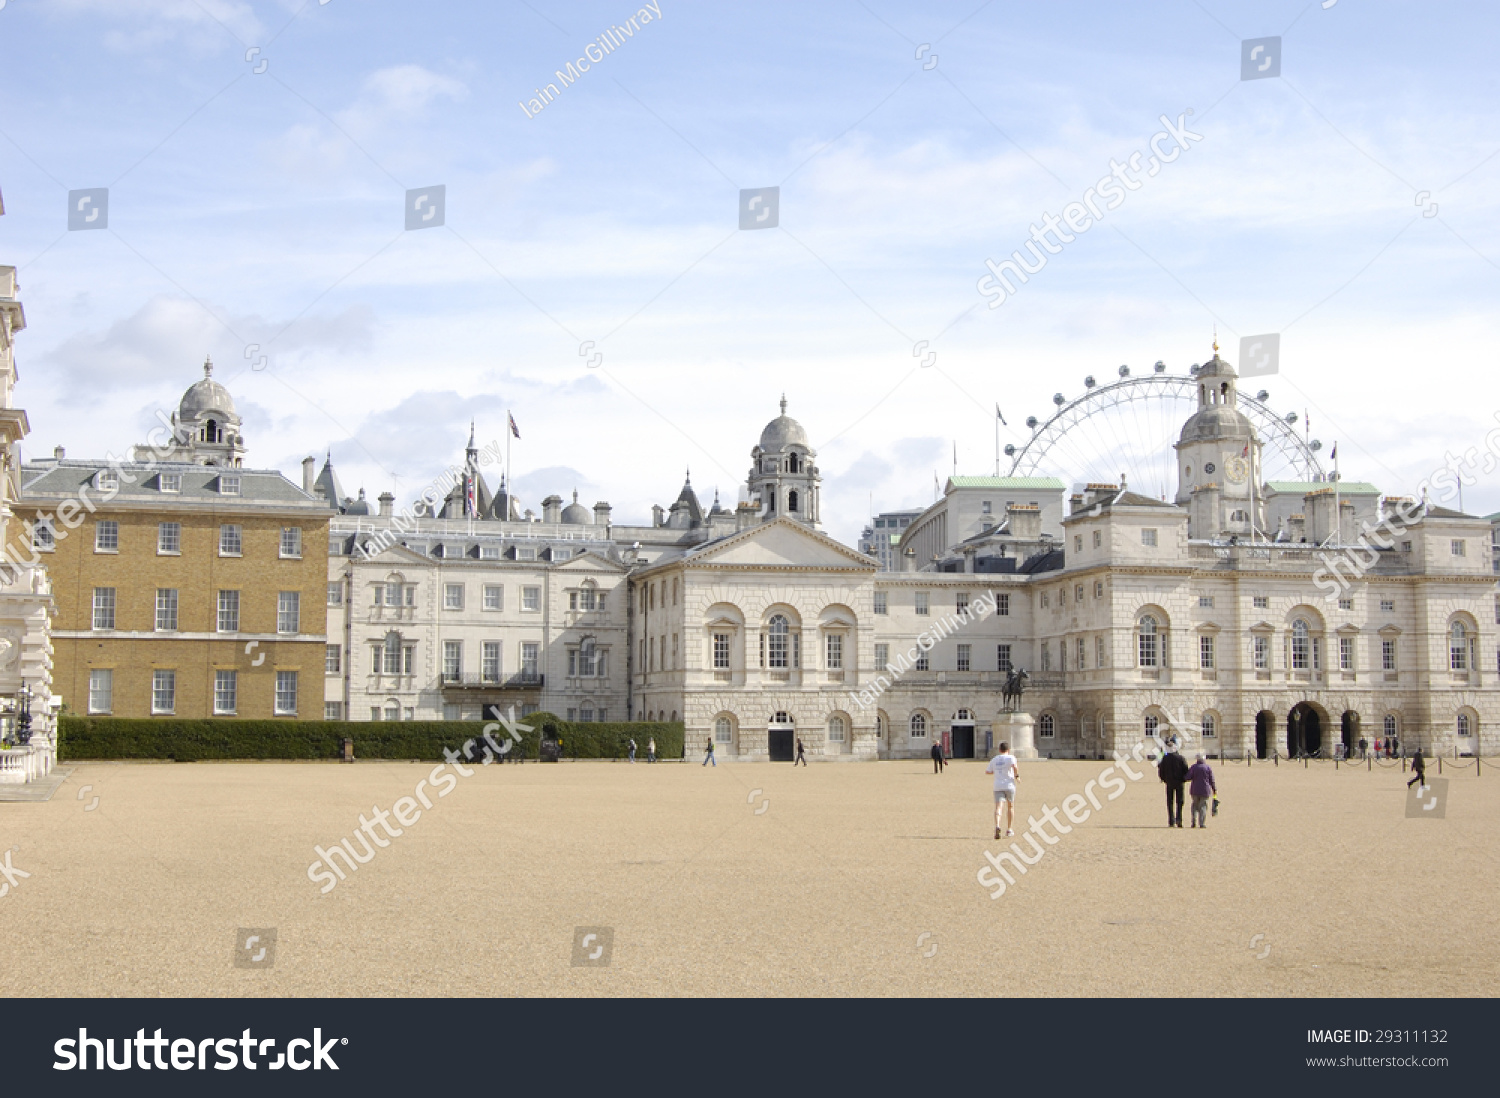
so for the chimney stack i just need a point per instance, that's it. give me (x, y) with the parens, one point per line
(601, 513)
(552, 509)
(59, 453)
(307, 474)
(1025, 521)
(387, 503)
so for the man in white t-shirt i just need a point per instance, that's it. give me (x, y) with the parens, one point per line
(1004, 767)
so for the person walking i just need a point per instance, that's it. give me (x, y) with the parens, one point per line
(938, 761)
(801, 757)
(632, 749)
(1173, 771)
(1201, 777)
(1004, 767)
(1418, 769)
(1364, 747)
(651, 750)
(709, 757)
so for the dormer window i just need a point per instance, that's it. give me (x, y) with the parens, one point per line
(169, 482)
(229, 485)
(107, 480)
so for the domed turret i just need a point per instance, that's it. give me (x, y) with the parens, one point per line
(205, 427)
(784, 477)
(1218, 458)
(575, 513)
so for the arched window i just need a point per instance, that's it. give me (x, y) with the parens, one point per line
(1458, 647)
(1463, 724)
(1150, 650)
(1388, 728)
(723, 730)
(1301, 645)
(776, 647)
(963, 715)
(1209, 728)
(674, 716)
(918, 726)
(835, 729)
(211, 432)
(1046, 727)
(791, 501)
(791, 467)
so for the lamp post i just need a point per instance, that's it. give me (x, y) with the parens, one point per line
(23, 715)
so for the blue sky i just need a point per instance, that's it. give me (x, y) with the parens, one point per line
(267, 208)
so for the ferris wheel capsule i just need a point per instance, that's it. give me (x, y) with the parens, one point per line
(1290, 417)
(1124, 371)
(1161, 367)
(1089, 382)
(1031, 421)
(1010, 450)
(1059, 399)
(1262, 396)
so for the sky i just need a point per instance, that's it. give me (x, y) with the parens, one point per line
(591, 278)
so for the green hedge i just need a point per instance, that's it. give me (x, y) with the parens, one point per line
(192, 740)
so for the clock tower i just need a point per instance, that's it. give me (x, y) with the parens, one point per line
(1218, 459)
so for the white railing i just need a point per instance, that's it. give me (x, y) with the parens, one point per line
(19, 765)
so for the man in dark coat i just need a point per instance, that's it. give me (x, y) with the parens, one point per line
(1173, 771)
(938, 762)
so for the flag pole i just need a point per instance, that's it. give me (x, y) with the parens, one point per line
(1338, 522)
(508, 489)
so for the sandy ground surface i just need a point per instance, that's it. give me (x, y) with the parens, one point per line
(759, 879)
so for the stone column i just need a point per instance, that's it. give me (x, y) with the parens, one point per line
(1016, 729)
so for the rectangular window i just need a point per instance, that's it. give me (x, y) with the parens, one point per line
(923, 663)
(1046, 600)
(921, 600)
(1078, 592)
(289, 612)
(229, 540)
(1077, 543)
(882, 655)
(1099, 651)
(965, 656)
(494, 597)
(835, 652)
(1002, 605)
(987, 507)
(333, 711)
(229, 612)
(453, 596)
(453, 660)
(1388, 655)
(1098, 589)
(168, 538)
(1346, 653)
(229, 485)
(163, 691)
(101, 690)
(531, 599)
(1261, 649)
(104, 607)
(1148, 537)
(1206, 653)
(1261, 602)
(286, 693)
(333, 658)
(336, 594)
(225, 691)
(1387, 604)
(1098, 539)
(880, 605)
(960, 601)
(169, 482)
(291, 541)
(42, 538)
(1002, 658)
(721, 651)
(1046, 656)
(1457, 546)
(530, 654)
(489, 667)
(1346, 604)
(106, 536)
(562, 554)
(1082, 651)
(525, 552)
(1205, 602)
(166, 609)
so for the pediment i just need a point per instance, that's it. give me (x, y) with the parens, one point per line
(589, 561)
(780, 544)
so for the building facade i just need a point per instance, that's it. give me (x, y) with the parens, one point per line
(187, 586)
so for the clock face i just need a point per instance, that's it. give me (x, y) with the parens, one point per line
(1237, 469)
(1209, 468)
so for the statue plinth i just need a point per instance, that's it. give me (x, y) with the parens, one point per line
(1017, 730)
